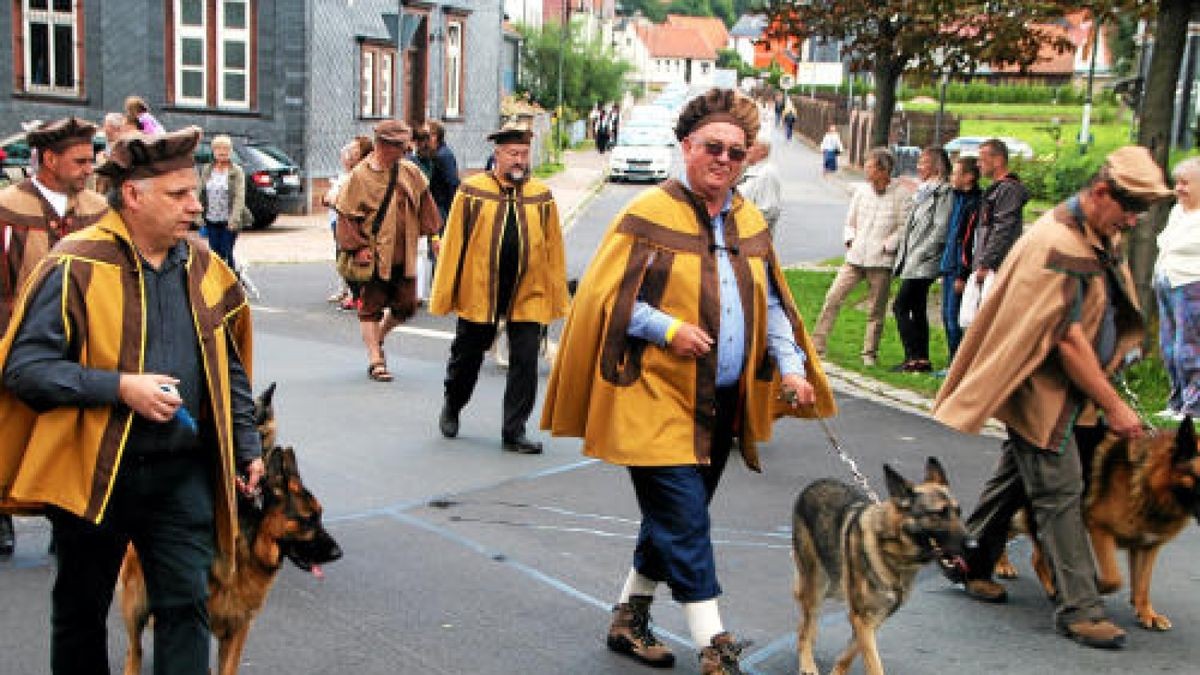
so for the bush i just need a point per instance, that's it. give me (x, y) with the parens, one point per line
(982, 92)
(1053, 180)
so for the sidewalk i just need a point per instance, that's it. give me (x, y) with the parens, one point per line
(295, 239)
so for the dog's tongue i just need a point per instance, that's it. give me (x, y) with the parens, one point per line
(317, 572)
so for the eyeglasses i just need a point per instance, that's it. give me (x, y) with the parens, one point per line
(717, 148)
(1127, 202)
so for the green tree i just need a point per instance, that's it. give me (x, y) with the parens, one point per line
(589, 71)
(651, 9)
(892, 37)
(730, 58)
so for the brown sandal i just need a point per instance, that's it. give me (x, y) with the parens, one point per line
(378, 371)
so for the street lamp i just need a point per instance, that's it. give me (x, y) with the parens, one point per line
(1085, 133)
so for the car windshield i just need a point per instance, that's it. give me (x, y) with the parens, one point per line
(646, 136)
(262, 159)
(276, 153)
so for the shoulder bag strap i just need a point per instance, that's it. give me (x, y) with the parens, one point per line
(387, 197)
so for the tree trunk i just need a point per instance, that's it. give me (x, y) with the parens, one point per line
(1170, 40)
(887, 76)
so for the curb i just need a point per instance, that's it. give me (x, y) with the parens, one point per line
(589, 194)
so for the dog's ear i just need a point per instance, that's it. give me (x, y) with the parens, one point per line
(899, 487)
(267, 395)
(934, 473)
(1185, 441)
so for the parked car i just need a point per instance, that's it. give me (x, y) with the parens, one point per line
(273, 181)
(643, 153)
(968, 146)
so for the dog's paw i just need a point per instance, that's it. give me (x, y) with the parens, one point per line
(1152, 620)
(1005, 569)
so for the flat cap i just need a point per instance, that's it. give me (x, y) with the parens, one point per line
(1133, 170)
(512, 131)
(60, 134)
(138, 155)
(393, 131)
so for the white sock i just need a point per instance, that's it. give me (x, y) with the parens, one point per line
(636, 584)
(704, 620)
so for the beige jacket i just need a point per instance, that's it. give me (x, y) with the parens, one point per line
(874, 224)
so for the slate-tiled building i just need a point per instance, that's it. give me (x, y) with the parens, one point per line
(303, 74)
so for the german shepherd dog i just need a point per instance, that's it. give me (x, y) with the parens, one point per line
(285, 522)
(868, 555)
(1139, 496)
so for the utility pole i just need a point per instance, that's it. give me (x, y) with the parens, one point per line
(1085, 128)
(558, 112)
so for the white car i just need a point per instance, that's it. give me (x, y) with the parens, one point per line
(643, 153)
(968, 146)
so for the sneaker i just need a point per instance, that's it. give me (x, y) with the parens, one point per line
(985, 590)
(1099, 633)
(722, 655)
(868, 360)
(630, 634)
(1169, 414)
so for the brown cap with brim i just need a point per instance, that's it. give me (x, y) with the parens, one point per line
(1133, 170)
(137, 155)
(512, 131)
(58, 135)
(395, 132)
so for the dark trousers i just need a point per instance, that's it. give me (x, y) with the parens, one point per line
(471, 340)
(951, 301)
(165, 508)
(1052, 484)
(221, 240)
(911, 320)
(675, 542)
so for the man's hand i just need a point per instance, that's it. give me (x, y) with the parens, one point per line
(691, 342)
(980, 275)
(141, 392)
(363, 256)
(254, 473)
(435, 245)
(960, 285)
(1124, 422)
(797, 391)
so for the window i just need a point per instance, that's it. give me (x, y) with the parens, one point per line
(48, 47)
(212, 45)
(454, 62)
(377, 72)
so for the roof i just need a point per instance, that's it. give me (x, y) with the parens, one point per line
(664, 41)
(1076, 27)
(711, 29)
(749, 26)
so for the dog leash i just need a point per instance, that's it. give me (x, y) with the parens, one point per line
(790, 397)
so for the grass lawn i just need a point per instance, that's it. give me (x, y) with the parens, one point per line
(1147, 379)
(1108, 137)
(1014, 111)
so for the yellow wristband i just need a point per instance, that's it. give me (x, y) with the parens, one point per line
(434, 237)
(673, 329)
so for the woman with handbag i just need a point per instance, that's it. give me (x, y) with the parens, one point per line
(919, 256)
(223, 196)
(831, 147)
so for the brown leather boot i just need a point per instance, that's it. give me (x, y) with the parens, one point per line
(721, 656)
(985, 590)
(630, 633)
(1100, 633)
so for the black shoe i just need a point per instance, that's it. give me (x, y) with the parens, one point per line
(7, 537)
(448, 422)
(523, 445)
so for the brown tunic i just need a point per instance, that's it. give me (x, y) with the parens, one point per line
(29, 228)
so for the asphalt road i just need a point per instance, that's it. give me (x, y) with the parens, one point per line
(463, 559)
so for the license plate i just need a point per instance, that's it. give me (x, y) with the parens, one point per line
(292, 180)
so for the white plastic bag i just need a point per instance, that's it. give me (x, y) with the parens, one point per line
(973, 296)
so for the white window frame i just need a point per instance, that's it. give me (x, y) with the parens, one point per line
(224, 36)
(183, 32)
(454, 68)
(51, 18)
(366, 79)
(385, 72)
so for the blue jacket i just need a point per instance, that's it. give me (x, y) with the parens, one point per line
(956, 258)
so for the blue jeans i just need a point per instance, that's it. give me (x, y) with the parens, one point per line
(220, 240)
(951, 301)
(1179, 338)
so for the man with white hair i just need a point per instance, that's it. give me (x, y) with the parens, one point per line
(760, 184)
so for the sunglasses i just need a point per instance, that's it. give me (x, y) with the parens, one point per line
(717, 148)
(1127, 202)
